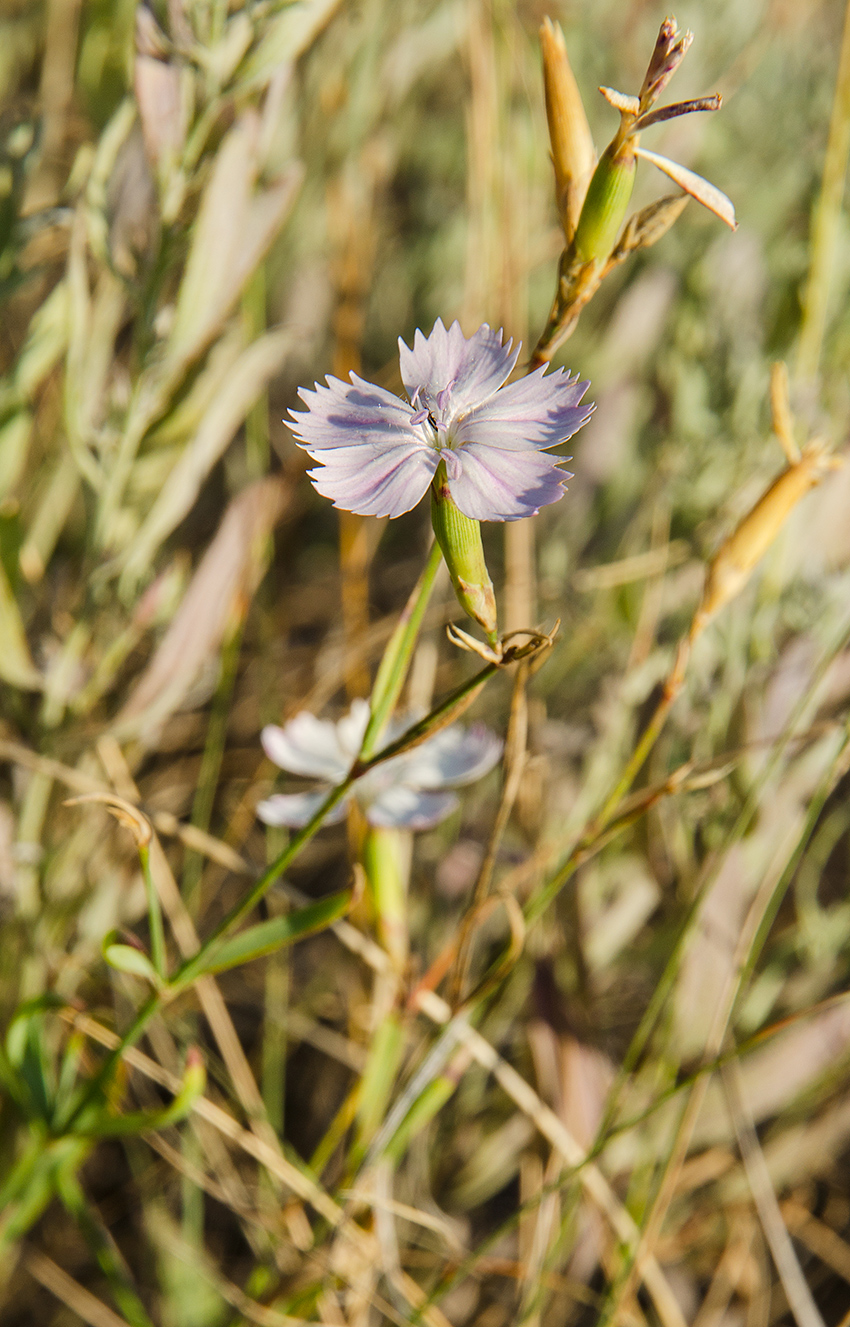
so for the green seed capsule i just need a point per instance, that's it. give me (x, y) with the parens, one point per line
(460, 541)
(604, 210)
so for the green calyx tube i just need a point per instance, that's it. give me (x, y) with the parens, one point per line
(459, 538)
(605, 204)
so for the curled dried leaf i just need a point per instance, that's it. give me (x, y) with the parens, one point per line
(621, 101)
(671, 46)
(124, 812)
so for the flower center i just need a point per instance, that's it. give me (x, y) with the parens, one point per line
(434, 417)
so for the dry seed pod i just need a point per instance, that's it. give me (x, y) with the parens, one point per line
(732, 565)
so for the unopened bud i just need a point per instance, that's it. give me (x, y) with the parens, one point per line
(573, 155)
(459, 538)
(670, 48)
(604, 210)
(194, 1075)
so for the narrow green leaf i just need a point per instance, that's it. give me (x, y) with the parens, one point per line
(106, 1125)
(126, 958)
(266, 937)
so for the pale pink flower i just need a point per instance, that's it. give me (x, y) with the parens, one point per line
(379, 453)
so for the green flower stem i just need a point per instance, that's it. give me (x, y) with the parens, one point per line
(198, 964)
(154, 914)
(376, 1085)
(460, 539)
(398, 654)
(440, 717)
(386, 860)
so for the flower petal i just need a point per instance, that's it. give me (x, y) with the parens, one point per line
(405, 808)
(536, 411)
(350, 414)
(375, 480)
(296, 809)
(351, 729)
(309, 746)
(502, 485)
(453, 757)
(473, 369)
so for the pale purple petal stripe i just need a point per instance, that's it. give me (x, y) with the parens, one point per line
(533, 412)
(296, 809)
(453, 757)
(307, 746)
(472, 368)
(499, 485)
(350, 414)
(372, 483)
(405, 808)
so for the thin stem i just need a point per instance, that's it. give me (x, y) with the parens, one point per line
(439, 717)
(672, 687)
(596, 827)
(399, 653)
(195, 966)
(208, 775)
(154, 915)
(515, 750)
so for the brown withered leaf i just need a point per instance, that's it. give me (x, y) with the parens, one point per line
(573, 154)
(218, 596)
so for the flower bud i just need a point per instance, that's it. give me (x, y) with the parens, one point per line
(607, 200)
(459, 538)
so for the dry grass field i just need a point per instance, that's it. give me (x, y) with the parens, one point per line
(569, 1043)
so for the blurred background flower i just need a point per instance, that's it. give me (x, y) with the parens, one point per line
(408, 792)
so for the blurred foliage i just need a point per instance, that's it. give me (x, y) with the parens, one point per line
(203, 205)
